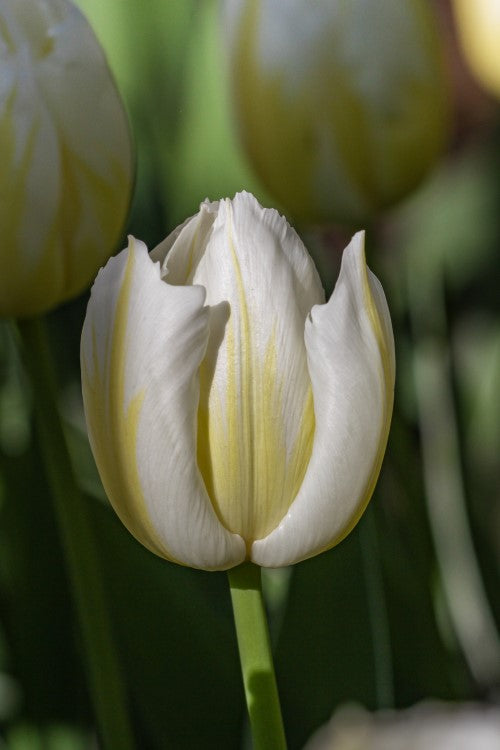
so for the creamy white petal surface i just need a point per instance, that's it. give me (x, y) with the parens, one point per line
(233, 415)
(351, 363)
(142, 344)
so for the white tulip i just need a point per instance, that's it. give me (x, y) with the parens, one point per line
(66, 157)
(233, 414)
(342, 107)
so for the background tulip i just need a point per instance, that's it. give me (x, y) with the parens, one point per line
(478, 25)
(431, 724)
(66, 156)
(342, 107)
(232, 413)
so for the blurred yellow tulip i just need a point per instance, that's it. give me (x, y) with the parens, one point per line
(66, 156)
(342, 106)
(478, 25)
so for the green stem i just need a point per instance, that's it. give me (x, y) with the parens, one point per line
(256, 658)
(103, 671)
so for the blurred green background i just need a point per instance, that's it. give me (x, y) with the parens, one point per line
(408, 606)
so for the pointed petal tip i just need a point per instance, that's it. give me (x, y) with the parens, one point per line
(356, 248)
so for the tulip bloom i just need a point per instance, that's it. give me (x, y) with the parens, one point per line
(233, 414)
(65, 152)
(478, 25)
(342, 107)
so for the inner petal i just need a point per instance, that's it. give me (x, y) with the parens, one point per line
(254, 439)
(256, 415)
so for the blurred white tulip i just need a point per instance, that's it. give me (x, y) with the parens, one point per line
(66, 156)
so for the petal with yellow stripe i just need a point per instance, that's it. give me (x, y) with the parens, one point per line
(350, 351)
(142, 345)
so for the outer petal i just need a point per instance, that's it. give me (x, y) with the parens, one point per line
(350, 352)
(142, 344)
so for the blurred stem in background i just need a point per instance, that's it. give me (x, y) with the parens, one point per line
(257, 666)
(103, 670)
(465, 595)
(377, 609)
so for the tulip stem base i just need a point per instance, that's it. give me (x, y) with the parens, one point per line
(257, 666)
(105, 683)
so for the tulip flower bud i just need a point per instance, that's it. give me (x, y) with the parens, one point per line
(342, 106)
(233, 414)
(478, 25)
(65, 152)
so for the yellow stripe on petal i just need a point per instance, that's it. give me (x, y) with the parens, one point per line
(113, 425)
(350, 352)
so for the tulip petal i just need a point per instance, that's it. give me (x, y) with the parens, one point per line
(350, 352)
(142, 345)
